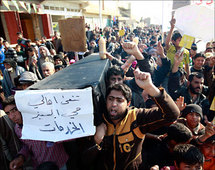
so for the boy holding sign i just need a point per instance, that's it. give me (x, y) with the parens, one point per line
(175, 46)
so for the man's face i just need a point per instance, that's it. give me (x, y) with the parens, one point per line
(13, 113)
(208, 150)
(18, 48)
(196, 85)
(47, 71)
(58, 62)
(43, 40)
(115, 79)
(184, 166)
(192, 52)
(176, 42)
(7, 66)
(43, 52)
(116, 105)
(199, 62)
(6, 44)
(19, 36)
(193, 120)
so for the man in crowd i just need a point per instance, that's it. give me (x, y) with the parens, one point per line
(192, 91)
(48, 69)
(119, 140)
(40, 151)
(48, 44)
(9, 143)
(2, 56)
(44, 56)
(21, 41)
(11, 71)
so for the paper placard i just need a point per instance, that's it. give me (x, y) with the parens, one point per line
(121, 33)
(73, 34)
(56, 115)
(186, 41)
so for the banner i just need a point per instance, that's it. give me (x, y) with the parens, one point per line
(35, 8)
(56, 115)
(28, 7)
(6, 4)
(196, 21)
(16, 5)
(23, 5)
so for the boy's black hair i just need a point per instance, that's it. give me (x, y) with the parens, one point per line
(8, 101)
(179, 133)
(188, 154)
(114, 70)
(199, 55)
(176, 36)
(126, 91)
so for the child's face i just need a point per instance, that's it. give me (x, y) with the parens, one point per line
(208, 150)
(176, 43)
(193, 120)
(184, 166)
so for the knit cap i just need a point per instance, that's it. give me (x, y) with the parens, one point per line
(192, 108)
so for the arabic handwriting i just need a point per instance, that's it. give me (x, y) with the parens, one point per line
(42, 102)
(72, 114)
(47, 130)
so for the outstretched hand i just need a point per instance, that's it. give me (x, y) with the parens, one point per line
(209, 128)
(180, 103)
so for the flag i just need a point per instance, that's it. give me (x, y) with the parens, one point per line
(28, 7)
(6, 4)
(35, 8)
(16, 5)
(23, 5)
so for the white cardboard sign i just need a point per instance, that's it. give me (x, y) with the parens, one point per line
(56, 115)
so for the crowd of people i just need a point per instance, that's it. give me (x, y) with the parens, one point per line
(158, 111)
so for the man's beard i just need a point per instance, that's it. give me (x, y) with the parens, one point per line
(192, 89)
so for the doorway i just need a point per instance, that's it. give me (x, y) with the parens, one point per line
(27, 26)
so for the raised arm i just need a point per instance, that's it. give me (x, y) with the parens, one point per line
(166, 112)
(169, 36)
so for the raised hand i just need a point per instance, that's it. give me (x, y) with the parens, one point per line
(172, 22)
(160, 50)
(143, 79)
(130, 48)
(180, 103)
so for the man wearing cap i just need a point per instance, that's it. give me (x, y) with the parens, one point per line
(191, 116)
(193, 51)
(11, 71)
(27, 79)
